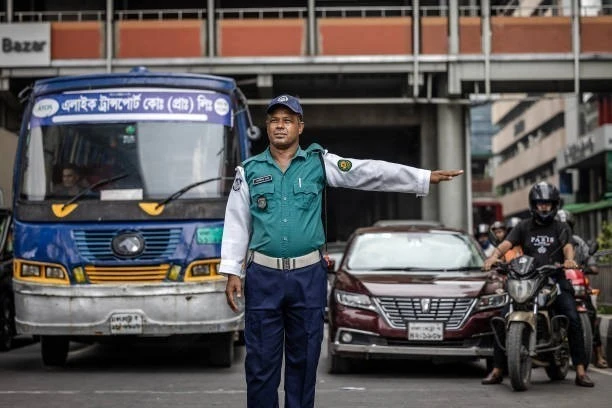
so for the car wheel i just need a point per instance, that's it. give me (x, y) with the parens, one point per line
(7, 320)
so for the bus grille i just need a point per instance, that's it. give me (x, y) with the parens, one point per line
(115, 274)
(451, 311)
(95, 245)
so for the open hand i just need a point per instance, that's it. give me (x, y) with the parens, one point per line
(443, 175)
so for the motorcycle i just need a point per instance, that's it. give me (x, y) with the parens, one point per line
(530, 334)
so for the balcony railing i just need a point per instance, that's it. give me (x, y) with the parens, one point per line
(299, 12)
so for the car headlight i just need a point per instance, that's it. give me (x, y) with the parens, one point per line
(492, 301)
(354, 300)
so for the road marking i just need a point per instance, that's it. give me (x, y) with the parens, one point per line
(600, 371)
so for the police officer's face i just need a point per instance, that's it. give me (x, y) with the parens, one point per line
(284, 127)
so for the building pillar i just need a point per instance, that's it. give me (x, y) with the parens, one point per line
(429, 148)
(210, 24)
(452, 196)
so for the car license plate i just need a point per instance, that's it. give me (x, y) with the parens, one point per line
(126, 323)
(425, 331)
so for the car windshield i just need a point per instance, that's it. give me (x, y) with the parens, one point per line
(435, 251)
(74, 142)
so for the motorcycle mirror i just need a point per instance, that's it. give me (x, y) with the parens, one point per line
(593, 247)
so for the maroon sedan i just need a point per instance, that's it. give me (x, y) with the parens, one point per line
(412, 291)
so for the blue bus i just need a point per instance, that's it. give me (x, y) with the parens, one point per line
(120, 187)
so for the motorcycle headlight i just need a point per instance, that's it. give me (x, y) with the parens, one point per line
(492, 301)
(354, 300)
(521, 290)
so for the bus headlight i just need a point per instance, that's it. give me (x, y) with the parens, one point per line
(201, 270)
(29, 270)
(53, 272)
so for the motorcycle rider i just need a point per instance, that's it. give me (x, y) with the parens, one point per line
(548, 241)
(589, 266)
(499, 231)
(482, 236)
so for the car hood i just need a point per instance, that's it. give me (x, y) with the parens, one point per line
(409, 284)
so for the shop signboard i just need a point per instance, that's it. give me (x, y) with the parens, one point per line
(25, 44)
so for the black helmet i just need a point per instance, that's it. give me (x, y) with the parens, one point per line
(512, 222)
(565, 216)
(544, 192)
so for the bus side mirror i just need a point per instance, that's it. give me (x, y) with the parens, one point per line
(253, 133)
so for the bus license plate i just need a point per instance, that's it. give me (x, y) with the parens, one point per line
(126, 323)
(422, 331)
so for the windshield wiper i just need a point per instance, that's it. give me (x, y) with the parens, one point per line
(188, 187)
(94, 186)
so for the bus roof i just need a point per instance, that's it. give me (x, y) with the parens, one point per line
(136, 77)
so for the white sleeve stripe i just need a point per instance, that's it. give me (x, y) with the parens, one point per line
(376, 175)
(237, 228)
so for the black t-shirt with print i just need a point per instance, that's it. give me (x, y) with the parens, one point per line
(543, 242)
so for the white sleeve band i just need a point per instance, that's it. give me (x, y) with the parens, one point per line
(236, 228)
(375, 175)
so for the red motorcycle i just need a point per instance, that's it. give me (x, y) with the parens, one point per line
(582, 289)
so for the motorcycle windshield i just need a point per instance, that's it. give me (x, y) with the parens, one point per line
(522, 265)
(522, 290)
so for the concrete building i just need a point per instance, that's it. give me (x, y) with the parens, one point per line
(531, 133)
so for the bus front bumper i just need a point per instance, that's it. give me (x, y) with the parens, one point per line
(146, 310)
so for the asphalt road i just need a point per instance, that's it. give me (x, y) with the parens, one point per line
(176, 374)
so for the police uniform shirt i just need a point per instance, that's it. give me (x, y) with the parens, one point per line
(279, 214)
(542, 242)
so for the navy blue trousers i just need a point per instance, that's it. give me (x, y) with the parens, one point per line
(284, 311)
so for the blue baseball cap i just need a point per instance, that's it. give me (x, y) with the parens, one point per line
(286, 100)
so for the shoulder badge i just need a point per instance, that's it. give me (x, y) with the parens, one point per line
(237, 183)
(344, 165)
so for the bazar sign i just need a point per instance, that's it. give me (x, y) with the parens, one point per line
(25, 44)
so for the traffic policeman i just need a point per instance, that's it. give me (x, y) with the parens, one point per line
(272, 238)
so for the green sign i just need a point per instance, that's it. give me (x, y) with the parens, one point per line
(208, 235)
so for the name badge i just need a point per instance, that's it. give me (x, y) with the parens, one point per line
(262, 179)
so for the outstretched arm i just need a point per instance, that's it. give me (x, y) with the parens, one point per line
(378, 175)
(443, 175)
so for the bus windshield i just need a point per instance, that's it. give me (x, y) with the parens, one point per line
(150, 142)
(158, 158)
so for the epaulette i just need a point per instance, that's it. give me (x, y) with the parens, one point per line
(315, 147)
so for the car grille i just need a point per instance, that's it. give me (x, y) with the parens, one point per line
(451, 311)
(95, 245)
